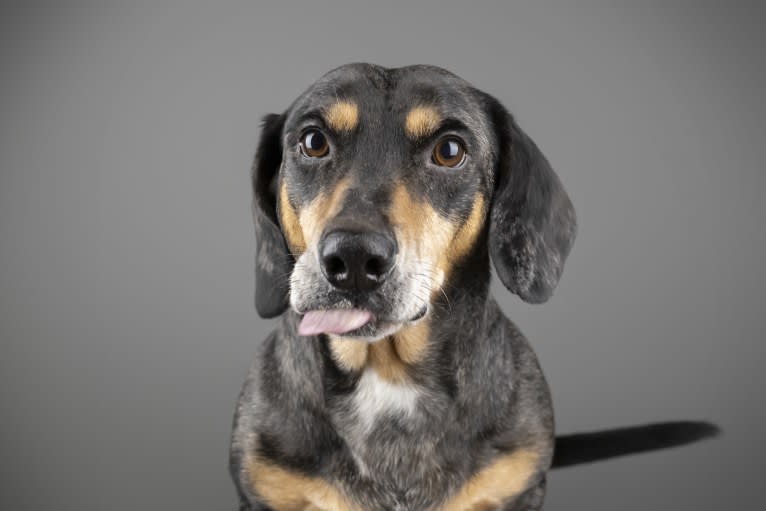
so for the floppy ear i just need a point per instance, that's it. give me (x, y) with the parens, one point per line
(532, 222)
(273, 262)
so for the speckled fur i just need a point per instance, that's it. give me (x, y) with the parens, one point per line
(477, 393)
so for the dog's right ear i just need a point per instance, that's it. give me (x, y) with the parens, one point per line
(273, 262)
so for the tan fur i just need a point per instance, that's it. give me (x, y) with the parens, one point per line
(326, 206)
(386, 362)
(390, 356)
(284, 490)
(421, 121)
(290, 224)
(303, 229)
(423, 234)
(342, 116)
(349, 354)
(411, 342)
(436, 241)
(468, 232)
(506, 477)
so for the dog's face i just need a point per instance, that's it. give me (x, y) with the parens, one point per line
(374, 186)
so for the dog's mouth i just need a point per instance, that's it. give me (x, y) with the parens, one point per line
(333, 321)
(350, 322)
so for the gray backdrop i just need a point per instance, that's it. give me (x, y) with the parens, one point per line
(126, 311)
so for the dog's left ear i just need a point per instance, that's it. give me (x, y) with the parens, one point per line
(273, 262)
(532, 221)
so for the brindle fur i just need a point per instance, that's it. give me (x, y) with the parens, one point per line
(474, 429)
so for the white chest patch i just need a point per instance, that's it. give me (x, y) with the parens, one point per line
(375, 396)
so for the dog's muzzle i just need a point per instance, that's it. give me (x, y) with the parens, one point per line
(356, 282)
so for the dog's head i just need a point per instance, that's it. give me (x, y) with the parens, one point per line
(374, 186)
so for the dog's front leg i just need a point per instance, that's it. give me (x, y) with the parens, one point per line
(530, 500)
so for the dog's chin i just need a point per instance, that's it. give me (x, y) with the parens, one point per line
(374, 331)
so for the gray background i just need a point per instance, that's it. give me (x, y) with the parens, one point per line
(126, 316)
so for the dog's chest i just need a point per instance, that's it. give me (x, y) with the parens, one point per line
(375, 398)
(393, 432)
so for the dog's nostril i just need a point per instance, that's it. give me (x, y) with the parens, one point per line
(374, 267)
(335, 266)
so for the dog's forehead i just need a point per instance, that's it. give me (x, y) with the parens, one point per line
(367, 90)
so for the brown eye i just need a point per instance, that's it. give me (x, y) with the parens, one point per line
(314, 144)
(449, 152)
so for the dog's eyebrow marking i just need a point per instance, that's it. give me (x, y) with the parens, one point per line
(422, 121)
(342, 116)
(492, 486)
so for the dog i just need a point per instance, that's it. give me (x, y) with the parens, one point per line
(394, 381)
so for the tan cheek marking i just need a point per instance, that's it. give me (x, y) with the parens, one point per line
(424, 232)
(389, 357)
(342, 116)
(314, 217)
(290, 224)
(421, 121)
(507, 477)
(422, 228)
(436, 240)
(384, 359)
(411, 342)
(467, 233)
(349, 354)
(287, 491)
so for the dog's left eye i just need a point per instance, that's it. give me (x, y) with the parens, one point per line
(314, 144)
(449, 152)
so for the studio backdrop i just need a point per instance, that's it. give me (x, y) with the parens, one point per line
(126, 239)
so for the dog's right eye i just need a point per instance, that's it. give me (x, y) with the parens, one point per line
(314, 144)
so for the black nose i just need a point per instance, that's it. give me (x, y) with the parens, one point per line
(356, 260)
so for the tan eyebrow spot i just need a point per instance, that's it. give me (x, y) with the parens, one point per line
(421, 121)
(342, 116)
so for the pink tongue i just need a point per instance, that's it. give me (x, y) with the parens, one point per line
(334, 321)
